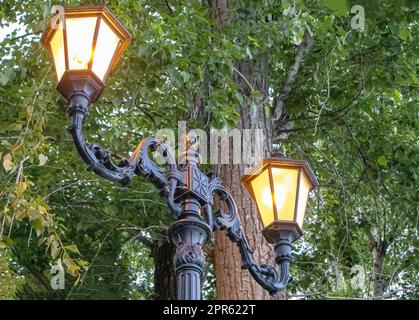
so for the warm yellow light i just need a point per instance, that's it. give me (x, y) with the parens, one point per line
(280, 188)
(106, 45)
(86, 43)
(285, 189)
(80, 33)
(262, 193)
(285, 186)
(304, 189)
(57, 48)
(267, 197)
(280, 196)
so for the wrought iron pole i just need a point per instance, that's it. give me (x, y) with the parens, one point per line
(189, 233)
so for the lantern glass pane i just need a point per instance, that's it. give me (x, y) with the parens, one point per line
(262, 191)
(106, 45)
(285, 186)
(302, 199)
(57, 48)
(80, 33)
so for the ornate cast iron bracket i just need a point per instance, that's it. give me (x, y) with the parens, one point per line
(189, 195)
(266, 275)
(99, 160)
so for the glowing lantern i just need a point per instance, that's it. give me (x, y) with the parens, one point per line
(86, 43)
(280, 188)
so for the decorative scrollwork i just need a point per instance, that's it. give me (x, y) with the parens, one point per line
(100, 161)
(266, 275)
(147, 168)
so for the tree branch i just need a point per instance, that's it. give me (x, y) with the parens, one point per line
(279, 101)
(34, 271)
(140, 238)
(340, 113)
(332, 113)
(23, 36)
(168, 7)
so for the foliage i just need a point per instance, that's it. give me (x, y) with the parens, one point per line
(10, 281)
(354, 119)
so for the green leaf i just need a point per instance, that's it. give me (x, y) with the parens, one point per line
(22, 73)
(7, 240)
(382, 161)
(249, 53)
(3, 79)
(142, 50)
(71, 267)
(55, 249)
(339, 7)
(230, 123)
(256, 94)
(199, 70)
(267, 110)
(185, 76)
(255, 43)
(47, 10)
(37, 225)
(116, 101)
(42, 240)
(7, 76)
(239, 97)
(403, 34)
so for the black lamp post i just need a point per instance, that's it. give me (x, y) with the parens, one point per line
(86, 43)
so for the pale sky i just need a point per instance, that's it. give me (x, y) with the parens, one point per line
(9, 29)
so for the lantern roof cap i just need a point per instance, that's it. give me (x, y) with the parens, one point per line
(281, 162)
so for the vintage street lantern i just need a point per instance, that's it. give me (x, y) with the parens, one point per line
(86, 43)
(280, 188)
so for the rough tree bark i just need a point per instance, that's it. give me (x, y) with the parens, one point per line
(231, 281)
(164, 273)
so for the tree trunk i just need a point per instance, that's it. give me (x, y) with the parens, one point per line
(164, 273)
(378, 278)
(231, 281)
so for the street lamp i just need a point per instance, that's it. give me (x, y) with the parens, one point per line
(86, 43)
(85, 49)
(280, 188)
